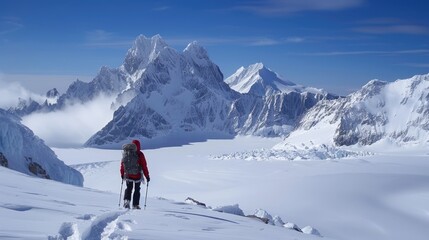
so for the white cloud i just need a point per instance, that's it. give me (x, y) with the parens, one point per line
(103, 39)
(72, 126)
(264, 42)
(364, 52)
(393, 29)
(98, 35)
(8, 25)
(295, 39)
(278, 7)
(162, 8)
(40, 84)
(416, 65)
(11, 92)
(248, 41)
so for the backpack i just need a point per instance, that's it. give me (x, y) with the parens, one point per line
(130, 159)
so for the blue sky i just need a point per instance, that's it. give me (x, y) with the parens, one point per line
(338, 45)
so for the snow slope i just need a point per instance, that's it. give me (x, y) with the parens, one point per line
(33, 208)
(380, 196)
(28, 154)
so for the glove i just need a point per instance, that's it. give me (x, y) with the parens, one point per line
(122, 176)
(148, 179)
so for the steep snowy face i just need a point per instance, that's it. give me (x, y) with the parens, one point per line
(26, 153)
(143, 51)
(397, 112)
(274, 115)
(258, 80)
(199, 64)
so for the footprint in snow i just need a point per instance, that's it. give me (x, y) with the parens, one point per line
(175, 215)
(68, 230)
(87, 217)
(124, 226)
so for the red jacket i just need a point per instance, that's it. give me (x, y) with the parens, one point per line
(142, 163)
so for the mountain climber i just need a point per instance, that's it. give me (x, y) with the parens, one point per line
(131, 171)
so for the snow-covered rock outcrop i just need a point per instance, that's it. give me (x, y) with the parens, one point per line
(26, 153)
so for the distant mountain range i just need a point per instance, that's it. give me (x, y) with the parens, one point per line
(161, 92)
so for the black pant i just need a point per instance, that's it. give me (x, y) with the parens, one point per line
(136, 195)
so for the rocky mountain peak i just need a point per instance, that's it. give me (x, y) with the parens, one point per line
(53, 93)
(142, 52)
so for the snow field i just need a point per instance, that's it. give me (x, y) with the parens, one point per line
(379, 196)
(33, 208)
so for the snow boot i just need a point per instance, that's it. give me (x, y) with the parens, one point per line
(136, 207)
(127, 203)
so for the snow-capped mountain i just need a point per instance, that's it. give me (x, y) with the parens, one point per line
(396, 112)
(22, 151)
(174, 92)
(142, 52)
(269, 105)
(259, 80)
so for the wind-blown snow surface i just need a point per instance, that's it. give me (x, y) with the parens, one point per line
(380, 196)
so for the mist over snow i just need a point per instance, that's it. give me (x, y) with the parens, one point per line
(11, 93)
(73, 125)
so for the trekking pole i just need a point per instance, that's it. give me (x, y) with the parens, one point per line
(145, 198)
(120, 194)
